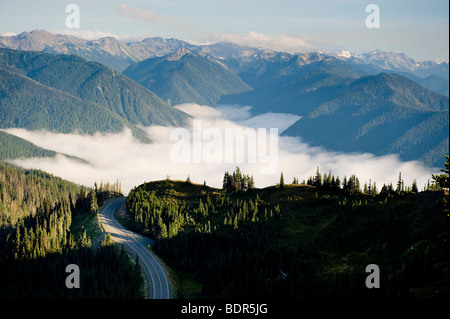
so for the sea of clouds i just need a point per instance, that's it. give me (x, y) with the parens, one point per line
(120, 156)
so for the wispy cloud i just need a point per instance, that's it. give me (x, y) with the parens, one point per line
(165, 22)
(136, 13)
(285, 43)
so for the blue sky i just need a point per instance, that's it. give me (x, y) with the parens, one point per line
(419, 28)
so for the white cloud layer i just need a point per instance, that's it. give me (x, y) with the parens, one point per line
(7, 34)
(120, 156)
(86, 34)
(95, 35)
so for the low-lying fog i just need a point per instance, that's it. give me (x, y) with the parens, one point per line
(120, 156)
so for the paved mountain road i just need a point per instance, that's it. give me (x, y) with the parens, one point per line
(158, 286)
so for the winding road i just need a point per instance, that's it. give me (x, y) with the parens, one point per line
(158, 286)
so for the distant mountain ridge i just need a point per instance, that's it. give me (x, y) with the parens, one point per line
(432, 75)
(187, 76)
(393, 60)
(108, 51)
(120, 55)
(158, 47)
(293, 84)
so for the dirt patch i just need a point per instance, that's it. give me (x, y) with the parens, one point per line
(122, 212)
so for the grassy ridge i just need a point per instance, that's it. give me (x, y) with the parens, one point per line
(316, 245)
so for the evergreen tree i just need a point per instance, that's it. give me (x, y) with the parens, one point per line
(442, 180)
(374, 189)
(327, 181)
(399, 183)
(251, 183)
(338, 183)
(414, 188)
(237, 182)
(226, 181)
(93, 205)
(317, 178)
(244, 184)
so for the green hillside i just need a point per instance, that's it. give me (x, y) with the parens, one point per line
(380, 114)
(25, 103)
(345, 110)
(187, 76)
(13, 147)
(308, 242)
(95, 83)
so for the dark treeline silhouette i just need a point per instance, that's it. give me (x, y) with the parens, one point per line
(352, 185)
(237, 182)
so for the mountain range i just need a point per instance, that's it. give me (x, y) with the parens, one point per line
(400, 62)
(378, 102)
(346, 109)
(187, 76)
(433, 76)
(107, 51)
(120, 55)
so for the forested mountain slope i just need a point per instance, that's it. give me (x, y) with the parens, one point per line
(187, 76)
(307, 242)
(94, 83)
(12, 147)
(25, 103)
(380, 114)
(43, 223)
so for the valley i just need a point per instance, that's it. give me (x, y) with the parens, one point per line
(76, 113)
(378, 102)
